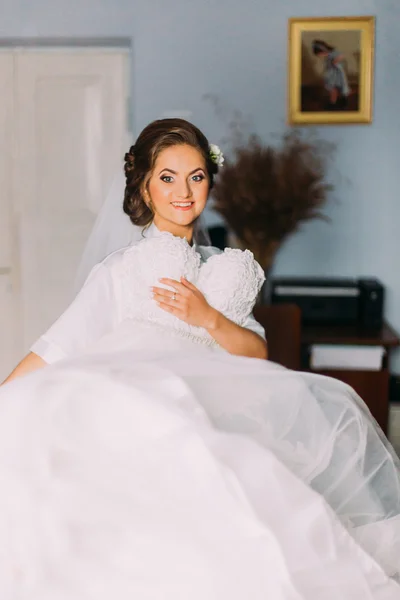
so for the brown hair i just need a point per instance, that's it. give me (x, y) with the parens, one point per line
(141, 158)
(319, 46)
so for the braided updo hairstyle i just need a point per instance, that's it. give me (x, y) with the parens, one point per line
(141, 158)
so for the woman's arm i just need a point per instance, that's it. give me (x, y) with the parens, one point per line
(236, 339)
(191, 307)
(339, 58)
(31, 362)
(90, 316)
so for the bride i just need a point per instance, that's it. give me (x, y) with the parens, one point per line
(147, 448)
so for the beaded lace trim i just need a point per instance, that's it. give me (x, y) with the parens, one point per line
(182, 333)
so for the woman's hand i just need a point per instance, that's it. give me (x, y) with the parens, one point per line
(187, 303)
(31, 362)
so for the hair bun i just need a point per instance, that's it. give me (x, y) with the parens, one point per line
(129, 160)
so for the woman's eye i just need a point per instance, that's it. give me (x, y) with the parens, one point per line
(169, 179)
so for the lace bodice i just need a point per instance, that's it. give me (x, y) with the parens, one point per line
(230, 281)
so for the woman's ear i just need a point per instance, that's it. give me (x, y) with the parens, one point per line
(145, 193)
(147, 198)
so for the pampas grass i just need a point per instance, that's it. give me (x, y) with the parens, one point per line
(265, 193)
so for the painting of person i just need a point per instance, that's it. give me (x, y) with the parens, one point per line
(331, 70)
(335, 78)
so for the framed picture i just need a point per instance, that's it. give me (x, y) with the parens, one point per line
(331, 70)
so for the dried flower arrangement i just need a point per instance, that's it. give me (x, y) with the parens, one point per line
(264, 192)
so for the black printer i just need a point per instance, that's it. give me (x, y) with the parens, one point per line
(333, 301)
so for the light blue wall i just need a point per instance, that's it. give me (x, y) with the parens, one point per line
(237, 50)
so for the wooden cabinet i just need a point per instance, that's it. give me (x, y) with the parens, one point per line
(372, 386)
(282, 324)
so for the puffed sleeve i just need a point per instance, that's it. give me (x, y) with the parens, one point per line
(250, 322)
(92, 314)
(255, 326)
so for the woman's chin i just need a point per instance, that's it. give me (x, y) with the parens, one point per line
(184, 217)
(178, 218)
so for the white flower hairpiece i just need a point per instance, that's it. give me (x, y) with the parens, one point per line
(216, 155)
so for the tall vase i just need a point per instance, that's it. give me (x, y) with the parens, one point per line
(264, 297)
(267, 261)
(265, 255)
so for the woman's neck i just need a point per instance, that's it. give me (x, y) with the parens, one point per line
(181, 231)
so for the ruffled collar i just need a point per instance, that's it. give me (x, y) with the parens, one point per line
(153, 231)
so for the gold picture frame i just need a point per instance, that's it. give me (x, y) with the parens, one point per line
(330, 70)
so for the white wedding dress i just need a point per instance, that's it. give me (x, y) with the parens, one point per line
(151, 464)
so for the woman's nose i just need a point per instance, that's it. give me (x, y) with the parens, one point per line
(184, 190)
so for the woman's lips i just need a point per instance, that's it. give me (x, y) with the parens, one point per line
(183, 206)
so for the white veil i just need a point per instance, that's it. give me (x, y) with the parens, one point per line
(113, 230)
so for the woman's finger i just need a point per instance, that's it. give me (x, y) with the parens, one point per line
(164, 293)
(168, 307)
(177, 285)
(165, 307)
(170, 298)
(188, 284)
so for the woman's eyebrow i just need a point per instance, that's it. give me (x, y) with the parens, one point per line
(175, 173)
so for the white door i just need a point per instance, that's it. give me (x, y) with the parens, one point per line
(8, 306)
(70, 134)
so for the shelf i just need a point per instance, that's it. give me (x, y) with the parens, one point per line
(346, 335)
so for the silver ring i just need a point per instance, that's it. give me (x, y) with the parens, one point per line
(174, 296)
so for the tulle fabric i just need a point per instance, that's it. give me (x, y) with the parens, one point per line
(157, 468)
(317, 426)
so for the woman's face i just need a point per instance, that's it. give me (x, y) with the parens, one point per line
(178, 189)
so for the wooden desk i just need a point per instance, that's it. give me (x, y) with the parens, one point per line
(372, 386)
(282, 324)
